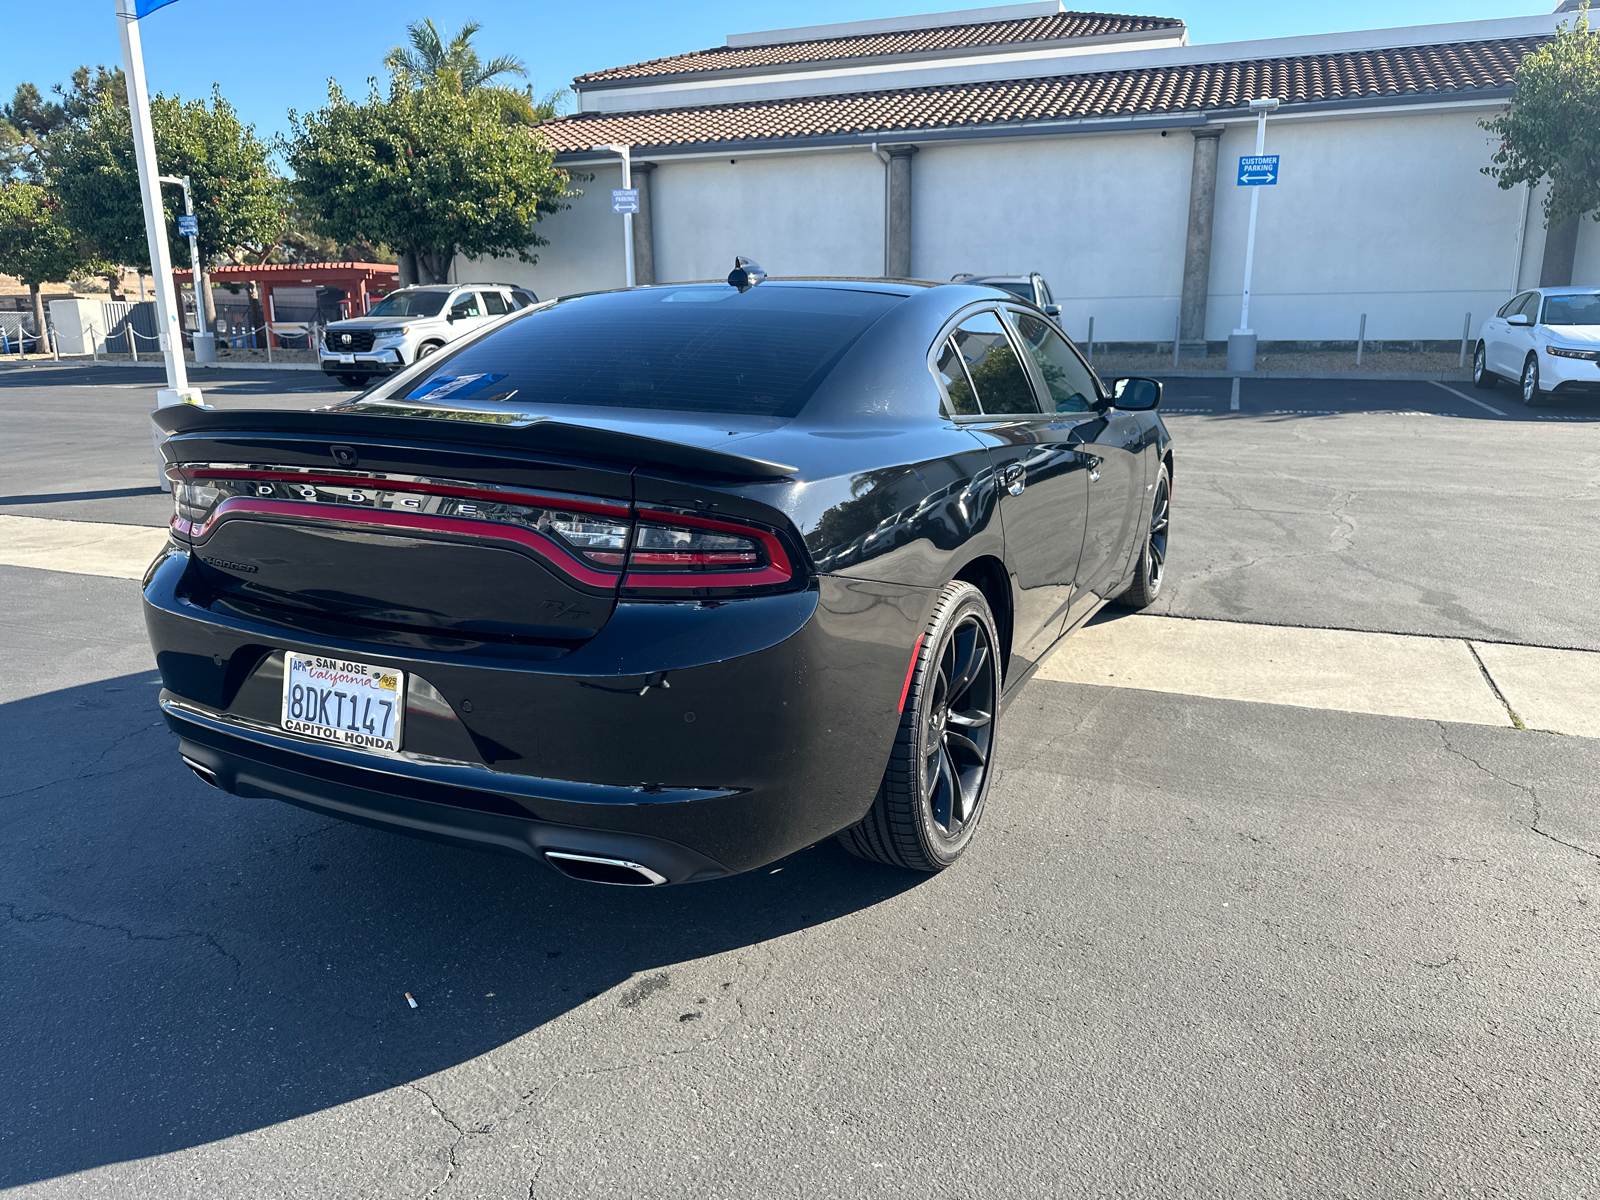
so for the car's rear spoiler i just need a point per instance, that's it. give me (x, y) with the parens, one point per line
(468, 427)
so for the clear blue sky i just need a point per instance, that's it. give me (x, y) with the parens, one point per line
(269, 58)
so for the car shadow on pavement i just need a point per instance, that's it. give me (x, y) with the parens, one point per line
(181, 965)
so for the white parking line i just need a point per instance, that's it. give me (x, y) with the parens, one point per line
(1466, 397)
(79, 547)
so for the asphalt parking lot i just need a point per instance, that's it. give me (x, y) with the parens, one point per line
(1204, 946)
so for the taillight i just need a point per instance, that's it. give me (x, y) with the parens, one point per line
(681, 554)
(599, 540)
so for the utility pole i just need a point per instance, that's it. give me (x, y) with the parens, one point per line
(168, 321)
(627, 217)
(1242, 343)
(205, 352)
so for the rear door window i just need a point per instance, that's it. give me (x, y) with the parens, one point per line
(522, 299)
(494, 304)
(1069, 382)
(997, 376)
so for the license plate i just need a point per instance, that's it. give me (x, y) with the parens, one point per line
(347, 703)
(347, 358)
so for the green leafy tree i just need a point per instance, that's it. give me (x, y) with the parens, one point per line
(1552, 129)
(35, 246)
(29, 121)
(241, 202)
(432, 171)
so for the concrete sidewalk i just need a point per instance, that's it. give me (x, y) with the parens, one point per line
(1384, 674)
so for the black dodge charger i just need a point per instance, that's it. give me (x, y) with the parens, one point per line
(659, 585)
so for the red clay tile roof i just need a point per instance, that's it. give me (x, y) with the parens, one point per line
(911, 41)
(1366, 74)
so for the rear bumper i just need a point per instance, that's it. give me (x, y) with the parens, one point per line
(709, 738)
(412, 799)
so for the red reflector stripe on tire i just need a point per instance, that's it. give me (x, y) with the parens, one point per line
(905, 687)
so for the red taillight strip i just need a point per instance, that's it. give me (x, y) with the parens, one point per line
(464, 491)
(905, 688)
(492, 531)
(777, 570)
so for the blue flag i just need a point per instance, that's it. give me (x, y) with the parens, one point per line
(143, 8)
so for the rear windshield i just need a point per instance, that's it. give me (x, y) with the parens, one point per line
(1572, 310)
(409, 304)
(701, 348)
(1025, 290)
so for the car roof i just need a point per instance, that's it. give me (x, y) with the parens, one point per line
(1566, 291)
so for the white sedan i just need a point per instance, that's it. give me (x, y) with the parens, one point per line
(1548, 340)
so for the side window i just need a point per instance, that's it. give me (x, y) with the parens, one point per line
(963, 403)
(466, 305)
(522, 299)
(494, 304)
(997, 377)
(1510, 306)
(1530, 307)
(1070, 384)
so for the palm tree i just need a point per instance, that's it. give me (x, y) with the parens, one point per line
(431, 57)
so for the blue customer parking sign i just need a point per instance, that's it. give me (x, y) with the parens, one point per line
(188, 226)
(1258, 170)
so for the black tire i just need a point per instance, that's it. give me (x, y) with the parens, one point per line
(920, 822)
(1532, 394)
(1482, 377)
(355, 381)
(429, 348)
(1151, 570)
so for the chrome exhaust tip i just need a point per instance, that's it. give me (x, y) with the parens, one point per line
(591, 868)
(207, 775)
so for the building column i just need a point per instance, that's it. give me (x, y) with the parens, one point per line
(897, 238)
(644, 238)
(1197, 246)
(1560, 248)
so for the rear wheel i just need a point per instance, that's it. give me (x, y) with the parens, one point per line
(933, 793)
(1152, 567)
(1481, 375)
(1532, 394)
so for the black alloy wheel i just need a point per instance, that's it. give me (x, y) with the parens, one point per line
(1531, 395)
(933, 792)
(1481, 375)
(1151, 569)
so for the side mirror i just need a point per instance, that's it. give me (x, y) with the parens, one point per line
(1518, 319)
(1052, 310)
(1136, 395)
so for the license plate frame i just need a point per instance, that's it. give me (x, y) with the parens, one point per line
(323, 686)
(347, 359)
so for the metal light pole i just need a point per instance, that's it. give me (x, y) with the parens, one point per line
(200, 331)
(177, 390)
(627, 217)
(1242, 345)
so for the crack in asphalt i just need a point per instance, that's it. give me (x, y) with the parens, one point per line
(1531, 791)
(13, 914)
(462, 1135)
(86, 773)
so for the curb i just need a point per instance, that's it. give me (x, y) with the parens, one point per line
(1348, 376)
(157, 364)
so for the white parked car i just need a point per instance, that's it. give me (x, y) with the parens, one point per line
(411, 324)
(1548, 340)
